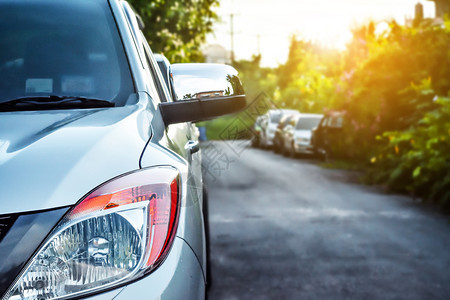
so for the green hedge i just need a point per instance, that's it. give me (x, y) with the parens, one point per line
(417, 160)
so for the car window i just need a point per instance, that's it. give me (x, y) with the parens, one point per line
(165, 72)
(46, 50)
(307, 123)
(275, 117)
(155, 74)
(335, 122)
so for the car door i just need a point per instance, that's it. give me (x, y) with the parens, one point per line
(320, 133)
(181, 138)
(335, 133)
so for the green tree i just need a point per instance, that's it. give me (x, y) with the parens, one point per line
(307, 81)
(385, 74)
(255, 79)
(177, 28)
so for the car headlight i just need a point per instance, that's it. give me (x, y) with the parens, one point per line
(120, 231)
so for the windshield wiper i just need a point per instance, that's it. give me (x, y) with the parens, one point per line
(53, 102)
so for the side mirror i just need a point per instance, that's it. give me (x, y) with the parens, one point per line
(204, 91)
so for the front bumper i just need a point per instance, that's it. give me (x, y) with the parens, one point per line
(179, 277)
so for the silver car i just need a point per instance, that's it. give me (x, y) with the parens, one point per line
(101, 185)
(297, 134)
(269, 122)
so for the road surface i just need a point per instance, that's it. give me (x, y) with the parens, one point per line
(284, 228)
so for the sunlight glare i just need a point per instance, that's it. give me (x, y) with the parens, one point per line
(267, 25)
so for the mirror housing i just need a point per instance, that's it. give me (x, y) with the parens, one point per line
(204, 91)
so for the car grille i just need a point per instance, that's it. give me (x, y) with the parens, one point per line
(20, 236)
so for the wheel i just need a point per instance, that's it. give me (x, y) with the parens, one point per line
(262, 144)
(276, 146)
(284, 151)
(292, 151)
(323, 155)
(255, 142)
(326, 155)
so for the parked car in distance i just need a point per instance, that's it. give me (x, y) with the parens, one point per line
(302, 132)
(255, 142)
(269, 123)
(278, 140)
(327, 136)
(101, 184)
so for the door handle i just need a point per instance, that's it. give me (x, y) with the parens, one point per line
(192, 146)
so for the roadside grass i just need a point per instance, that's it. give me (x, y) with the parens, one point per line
(236, 126)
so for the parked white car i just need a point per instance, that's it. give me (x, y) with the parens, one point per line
(297, 134)
(269, 122)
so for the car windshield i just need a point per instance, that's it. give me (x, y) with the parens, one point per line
(307, 123)
(54, 47)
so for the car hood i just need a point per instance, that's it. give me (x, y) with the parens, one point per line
(51, 159)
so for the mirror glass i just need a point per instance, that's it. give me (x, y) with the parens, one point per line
(205, 81)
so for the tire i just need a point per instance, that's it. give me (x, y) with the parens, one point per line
(255, 142)
(284, 151)
(262, 145)
(326, 156)
(323, 155)
(292, 151)
(276, 146)
(316, 153)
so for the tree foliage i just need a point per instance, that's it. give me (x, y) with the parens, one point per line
(417, 160)
(383, 78)
(307, 80)
(395, 95)
(177, 28)
(255, 79)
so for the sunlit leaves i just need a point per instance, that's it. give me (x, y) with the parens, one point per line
(177, 28)
(418, 159)
(309, 78)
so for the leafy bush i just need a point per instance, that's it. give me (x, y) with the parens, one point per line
(417, 160)
(382, 78)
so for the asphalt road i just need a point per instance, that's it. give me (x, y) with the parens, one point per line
(284, 228)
